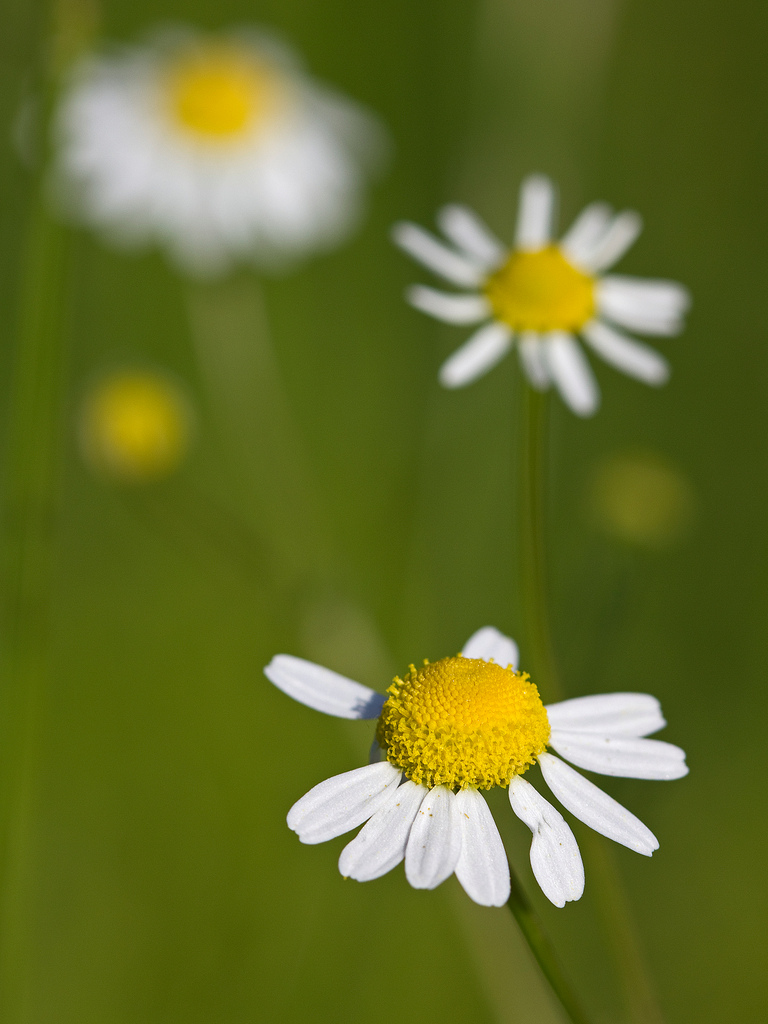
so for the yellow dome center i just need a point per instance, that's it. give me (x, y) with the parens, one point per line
(541, 291)
(221, 93)
(463, 722)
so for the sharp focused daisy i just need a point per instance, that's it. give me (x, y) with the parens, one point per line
(543, 293)
(455, 727)
(219, 147)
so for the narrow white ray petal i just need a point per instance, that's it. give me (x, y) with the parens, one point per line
(451, 309)
(632, 357)
(342, 803)
(467, 231)
(571, 373)
(580, 239)
(482, 867)
(477, 355)
(555, 856)
(434, 843)
(322, 689)
(641, 293)
(627, 756)
(437, 257)
(614, 714)
(489, 644)
(533, 360)
(618, 237)
(379, 846)
(535, 213)
(648, 306)
(595, 808)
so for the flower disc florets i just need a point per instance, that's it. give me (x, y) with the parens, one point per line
(541, 291)
(220, 92)
(463, 722)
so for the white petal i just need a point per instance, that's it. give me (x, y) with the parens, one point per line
(451, 309)
(614, 242)
(581, 237)
(322, 689)
(595, 808)
(380, 844)
(635, 359)
(439, 258)
(477, 355)
(614, 714)
(482, 867)
(342, 803)
(465, 229)
(434, 843)
(626, 756)
(533, 360)
(489, 644)
(571, 373)
(555, 856)
(534, 216)
(648, 306)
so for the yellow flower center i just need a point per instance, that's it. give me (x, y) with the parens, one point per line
(220, 93)
(541, 291)
(463, 722)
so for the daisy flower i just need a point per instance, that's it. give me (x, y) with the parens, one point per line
(221, 148)
(450, 729)
(542, 293)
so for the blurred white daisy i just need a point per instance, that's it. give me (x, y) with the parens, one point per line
(542, 293)
(219, 147)
(460, 725)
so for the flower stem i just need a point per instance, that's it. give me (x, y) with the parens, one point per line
(30, 499)
(531, 556)
(639, 996)
(542, 950)
(31, 492)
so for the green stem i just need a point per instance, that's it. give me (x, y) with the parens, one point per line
(29, 514)
(639, 996)
(531, 485)
(29, 508)
(545, 956)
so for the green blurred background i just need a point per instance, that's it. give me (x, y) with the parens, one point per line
(362, 517)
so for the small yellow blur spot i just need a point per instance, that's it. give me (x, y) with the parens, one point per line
(642, 499)
(135, 427)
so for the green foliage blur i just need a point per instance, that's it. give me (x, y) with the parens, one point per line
(342, 507)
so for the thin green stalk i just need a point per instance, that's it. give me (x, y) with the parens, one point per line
(533, 571)
(31, 493)
(259, 433)
(545, 956)
(640, 1000)
(28, 522)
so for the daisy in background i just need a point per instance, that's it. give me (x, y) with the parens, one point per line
(542, 293)
(221, 148)
(457, 726)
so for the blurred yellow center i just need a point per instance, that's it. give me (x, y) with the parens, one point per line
(541, 291)
(135, 427)
(463, 722)
(220, 93)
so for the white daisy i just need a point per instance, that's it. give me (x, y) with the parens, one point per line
(460, 725)
(219, 147)
(542, 293)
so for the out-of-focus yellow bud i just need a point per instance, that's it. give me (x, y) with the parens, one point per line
(135, 426)
(642, 499)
